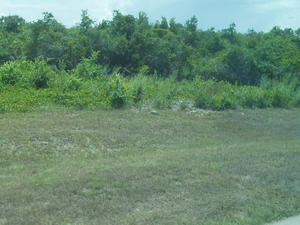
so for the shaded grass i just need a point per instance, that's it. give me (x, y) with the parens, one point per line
(131, 167)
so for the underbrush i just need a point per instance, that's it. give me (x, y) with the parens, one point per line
(28, 86)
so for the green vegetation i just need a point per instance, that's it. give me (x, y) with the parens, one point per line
(237, 167)
(70, 161)
(33, 86)
(127, 61)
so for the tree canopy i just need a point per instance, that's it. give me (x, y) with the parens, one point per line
(166, 48)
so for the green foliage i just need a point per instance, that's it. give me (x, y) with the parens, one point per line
(233, 65)
(11, 72)
(83, 99)
(123, 25)
(65, 82)
(167, 48)
(118, 92)
(67, 90)
(86, 21)
(165, 94)
(41, 75)
(26, 73)
(220, 96)
(162, 65)
(88, 69)
(284, 92)
(138, 86)
(230, 33)
(191, 24)
(214, 95)
(252, 97)
(11, 23)
(17, 99)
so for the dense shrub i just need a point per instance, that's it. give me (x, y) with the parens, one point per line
(42, 73)
(26, 73)
(235, 65)
(14, 72)
(20, 92)
(118, 93)
(64, 81)
(88, 69)
(284, 91)
(15, 99)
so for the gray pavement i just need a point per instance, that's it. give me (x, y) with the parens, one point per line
(291, 221)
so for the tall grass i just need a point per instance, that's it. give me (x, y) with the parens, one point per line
(28, 86)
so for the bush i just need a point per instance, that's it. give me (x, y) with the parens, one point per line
(138, 85)
(83, 99)
(26, 73)
(14, 72)
(118, 92)
(234, 65)
(42, 73)
(64, 81)
(15, 99)
(166, 93)
(22, 88)
(214, 95)
(283, 91)
(253, 97)
(224, 101)
(201, 100)
(88, 69)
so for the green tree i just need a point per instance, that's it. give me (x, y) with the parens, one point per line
(230, 33)
(192, 24)
(86, 22)
(164, 23)
(11, 23)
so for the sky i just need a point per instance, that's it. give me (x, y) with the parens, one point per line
(260, 15)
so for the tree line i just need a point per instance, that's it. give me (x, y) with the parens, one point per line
(165, 48)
